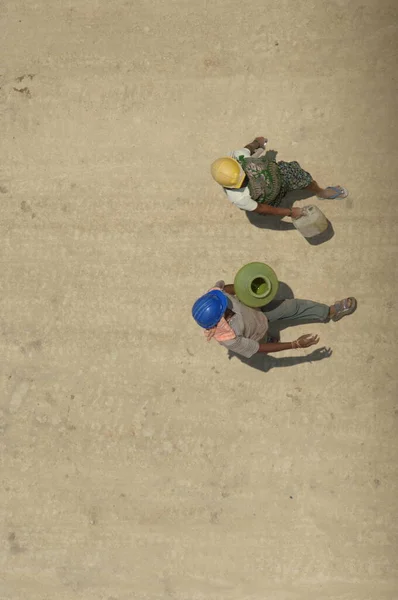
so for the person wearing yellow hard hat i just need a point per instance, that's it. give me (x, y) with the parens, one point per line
(258, 183)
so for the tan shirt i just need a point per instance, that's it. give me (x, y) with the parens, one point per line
(249, 324)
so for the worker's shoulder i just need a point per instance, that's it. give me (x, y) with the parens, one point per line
(236, 194)
(240, 152)
(241, 198)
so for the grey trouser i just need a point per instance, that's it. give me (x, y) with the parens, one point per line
(298, 311)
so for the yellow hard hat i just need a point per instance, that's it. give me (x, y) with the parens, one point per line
(228, 172)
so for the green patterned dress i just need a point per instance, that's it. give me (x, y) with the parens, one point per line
(270, 181)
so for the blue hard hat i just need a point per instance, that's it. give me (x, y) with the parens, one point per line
(208, 309)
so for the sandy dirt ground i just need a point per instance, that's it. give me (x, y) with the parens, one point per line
(139, 462)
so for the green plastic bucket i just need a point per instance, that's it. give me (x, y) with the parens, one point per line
(256, 284)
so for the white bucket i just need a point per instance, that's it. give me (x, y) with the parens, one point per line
(312, 222)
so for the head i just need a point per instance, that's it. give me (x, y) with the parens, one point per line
(228, 172)
(209, 309)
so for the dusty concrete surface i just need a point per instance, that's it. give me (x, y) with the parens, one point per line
(137, 461)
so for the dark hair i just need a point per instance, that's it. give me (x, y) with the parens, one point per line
(228, 313)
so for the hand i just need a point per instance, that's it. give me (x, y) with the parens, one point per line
(297, 212)
(305, 341)
(261, 140)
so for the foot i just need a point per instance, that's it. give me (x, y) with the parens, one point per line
(342, 308)
(332, 193)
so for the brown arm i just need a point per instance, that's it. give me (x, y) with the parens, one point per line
(229, 289)
(253, 146)
(276, 347)
(304, 341)
(265, 209)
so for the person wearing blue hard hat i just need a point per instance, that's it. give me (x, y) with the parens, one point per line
(208, 310)
(243, 330)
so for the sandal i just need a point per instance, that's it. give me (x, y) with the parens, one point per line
(340, 192)
(343, 308)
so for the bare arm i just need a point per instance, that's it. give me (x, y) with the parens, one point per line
(276, 347)
(265, 209)
(305, 341)
(229, 289)
(258, 142)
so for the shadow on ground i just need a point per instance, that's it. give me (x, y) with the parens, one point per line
(323, 237)
(265, 362)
